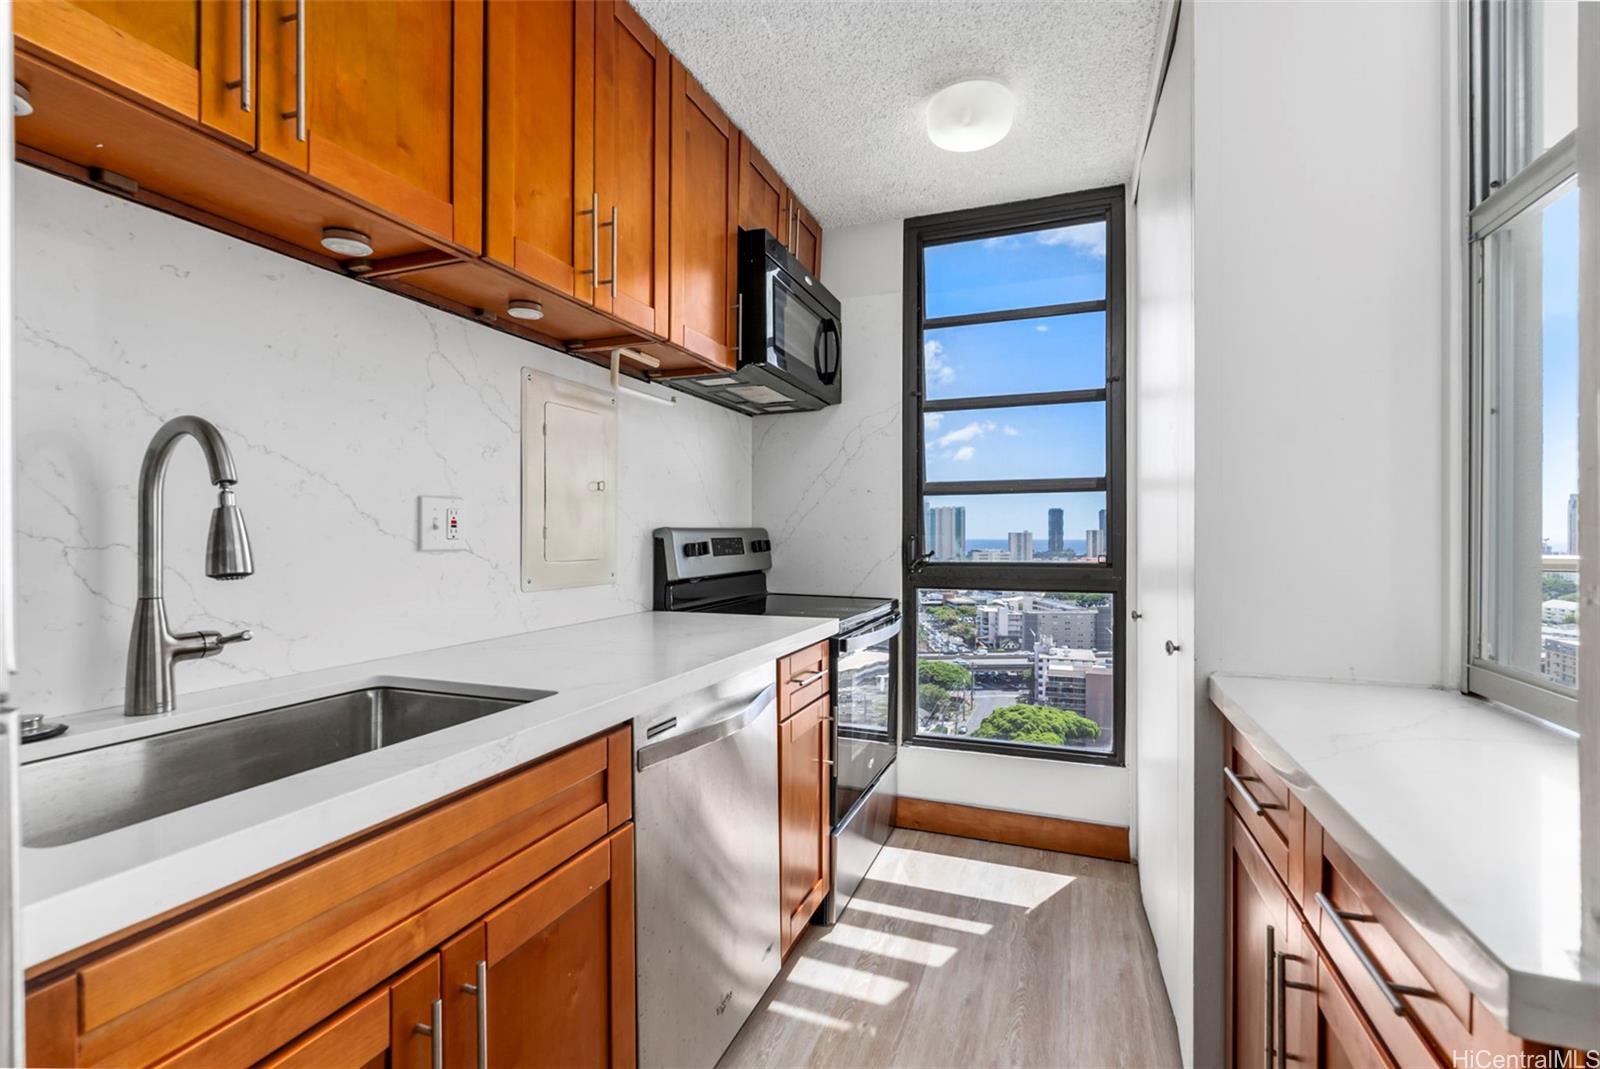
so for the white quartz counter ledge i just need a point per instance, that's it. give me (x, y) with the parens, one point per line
(1464, 815)
(604, 673)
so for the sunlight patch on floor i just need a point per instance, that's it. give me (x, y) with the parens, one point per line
(851, 983)
(1010, 885)
(889, 945)
(919, 916)
(800, 1013)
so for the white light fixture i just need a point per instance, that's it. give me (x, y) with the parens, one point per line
(343, 242)
(969, 116)
(526, 310)
(22, 101)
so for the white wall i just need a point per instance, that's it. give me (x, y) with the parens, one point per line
(828, 485)
(341, 402)
(1322, 533)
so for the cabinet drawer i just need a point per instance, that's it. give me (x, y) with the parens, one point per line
(227, 983)
(802, 679)
(1262, 800)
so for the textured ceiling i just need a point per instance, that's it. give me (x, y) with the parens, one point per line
(833, 93)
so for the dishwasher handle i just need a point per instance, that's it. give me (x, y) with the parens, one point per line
(706, 734)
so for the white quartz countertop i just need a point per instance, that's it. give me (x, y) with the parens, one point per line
(604, 673)
(1465, 816)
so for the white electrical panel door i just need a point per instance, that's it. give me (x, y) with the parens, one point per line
(569, 483)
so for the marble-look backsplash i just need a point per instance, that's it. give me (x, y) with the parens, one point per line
(342, 404)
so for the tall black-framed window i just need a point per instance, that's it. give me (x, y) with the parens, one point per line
(1015, 491)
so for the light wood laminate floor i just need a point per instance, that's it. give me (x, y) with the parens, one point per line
(964, 953)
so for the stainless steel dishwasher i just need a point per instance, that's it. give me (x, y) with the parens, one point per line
(706, 819)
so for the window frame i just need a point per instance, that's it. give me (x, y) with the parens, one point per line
(1497, 200)
(1107, 205)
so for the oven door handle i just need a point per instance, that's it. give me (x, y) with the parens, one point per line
(851, 643)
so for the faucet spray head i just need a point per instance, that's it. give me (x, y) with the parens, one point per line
(228, 547)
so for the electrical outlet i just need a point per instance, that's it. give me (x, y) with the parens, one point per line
(441, 524)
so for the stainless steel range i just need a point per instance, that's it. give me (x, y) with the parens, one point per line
(724, 570)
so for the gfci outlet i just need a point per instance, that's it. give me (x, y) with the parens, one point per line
(441, 524)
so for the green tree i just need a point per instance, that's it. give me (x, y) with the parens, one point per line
(947, 674)
(944, 615)
(1559, 587)
(1036, 723)
(966, 632)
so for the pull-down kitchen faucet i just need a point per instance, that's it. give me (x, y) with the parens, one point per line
(152, 648)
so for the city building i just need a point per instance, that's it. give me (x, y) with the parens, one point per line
(1559, 612)
(1572, 524)
(989, 554)
(1068, 627)
(1057, 545)
(1074, 679)
(1560, 662)
(1019, 545)
(945, 534)
(1104, 627)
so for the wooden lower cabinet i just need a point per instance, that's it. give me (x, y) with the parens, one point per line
(803, 816)
(509, 906)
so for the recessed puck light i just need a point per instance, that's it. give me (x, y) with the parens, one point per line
(21, 100)
(342, 242)
(528, 310)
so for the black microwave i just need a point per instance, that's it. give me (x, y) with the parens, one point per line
(788, 339)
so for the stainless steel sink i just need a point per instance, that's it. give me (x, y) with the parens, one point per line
(80, 795)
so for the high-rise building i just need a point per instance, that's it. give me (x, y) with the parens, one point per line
(1094, 539)
(1020, 545)
(1057, 529)
(1572, 524)
(946, 532)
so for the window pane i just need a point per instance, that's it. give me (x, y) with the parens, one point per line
(1542, 56)
(1020, 356)
(1530, 449)
(1055, 266)
(1030, 668)
(1015, 527)
(1030, 442)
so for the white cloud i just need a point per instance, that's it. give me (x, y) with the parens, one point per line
(1041, 328)
(931, 420)
(1090, 239)
(966, 452)
(967, 433)
(938, 371)
(1009, 431)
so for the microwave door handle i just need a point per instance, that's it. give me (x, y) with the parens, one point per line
(827, 370)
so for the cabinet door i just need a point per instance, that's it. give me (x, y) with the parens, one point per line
(183, 55)
(1333, 1033)
(393, 1027)
(805, 237)
(803, 816)
(561, 964)
(763, 198)
(705, 178)
(633, 81)
(1258, 928)
(542, 220)
(382, 100)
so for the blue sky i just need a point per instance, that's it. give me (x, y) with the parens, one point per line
(1056, 266)
(1560, 364)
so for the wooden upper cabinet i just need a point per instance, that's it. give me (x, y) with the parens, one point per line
(382, 100)
(541, 213)
(182, 55)
(704, 240)
(633, 81)
(763, 198)
(805, 237)
(802, 816)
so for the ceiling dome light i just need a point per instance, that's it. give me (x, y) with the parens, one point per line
(969, 116)
(526, 310)
(343, 242)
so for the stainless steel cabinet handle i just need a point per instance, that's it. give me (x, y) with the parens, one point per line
(434, 1030)
(738, 325)
(1284, 984)
(299, 112)
(242, 83)
(1391, 992)
(1232, 777)
(593, 212)
(1269, 994)
(806, 680)
(612, 280)
(481, 990)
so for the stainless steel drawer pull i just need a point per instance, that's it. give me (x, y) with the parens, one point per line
(434, 1030)
(1259, 808)
(1391, 991)
(481, 990)
(242, 83)
(1267, 992)
(299, 112)
(1284, 984)
(806, 680)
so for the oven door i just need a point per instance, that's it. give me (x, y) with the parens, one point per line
(802, 335)
(866, 674)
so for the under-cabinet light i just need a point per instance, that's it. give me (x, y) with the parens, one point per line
(527, 310)
(343, 242)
